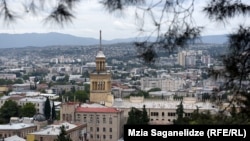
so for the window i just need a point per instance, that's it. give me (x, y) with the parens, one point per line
(104, 119)
(91, 128)
(97, 136)
(104, 136)
(163, 114)
(171, 114)
(188, 114)
(97, 129)
(110, 129)
(84, 119)
(110, 136)
(97, 120)
(110, 120)
(154, 113)
(91, 119)
(104, 129)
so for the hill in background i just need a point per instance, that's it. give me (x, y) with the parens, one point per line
(50, 39)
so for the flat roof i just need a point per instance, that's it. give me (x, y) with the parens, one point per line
(161, 104)
(15, 126)
(54, 129)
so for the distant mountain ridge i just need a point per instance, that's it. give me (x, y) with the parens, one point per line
(53, 38)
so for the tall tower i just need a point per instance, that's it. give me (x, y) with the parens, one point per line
(100, 81)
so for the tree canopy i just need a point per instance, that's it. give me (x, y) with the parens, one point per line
(53, 111)
(9, 109)
(47, 109)
(136, 116)
(28, 110)
(63, 136)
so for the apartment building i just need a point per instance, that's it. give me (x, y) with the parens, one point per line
(164, 83)
(50, 132)
(162, 111)
(103, 123)
(19, 129)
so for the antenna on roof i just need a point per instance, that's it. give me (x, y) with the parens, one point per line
(100, 40)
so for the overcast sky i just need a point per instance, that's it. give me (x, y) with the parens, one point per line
(90, 17)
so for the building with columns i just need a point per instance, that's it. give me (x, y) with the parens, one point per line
(100, 81)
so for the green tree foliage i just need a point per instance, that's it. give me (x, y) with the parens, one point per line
(136, 116)
(53, 78)
(63, 136)
(206, 117)
(53, 111)
(79, 95)
(9, 109)
(180, 114)
(145, 118)
(18, 81)
(73, 89)
(9, 82)
(28, 110)
(87, 88)
(140, 93)
(154, 90)
(47, 109)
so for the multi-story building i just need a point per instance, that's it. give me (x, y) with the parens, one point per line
(20, 129)
(37, 101)
(103, 123)
(50, 133)
(59, 89)
(162, 111)
(4, 89)
(8, 76)
(182, 58)
(165, 83)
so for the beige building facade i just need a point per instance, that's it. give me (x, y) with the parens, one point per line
(19, 129)
(103, 123)
(51, 132)
(100, 81)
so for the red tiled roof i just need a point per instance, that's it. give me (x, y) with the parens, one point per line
(96, 110)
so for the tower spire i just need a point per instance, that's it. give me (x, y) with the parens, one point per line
(100, 40)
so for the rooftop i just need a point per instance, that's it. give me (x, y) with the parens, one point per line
(14, 138)
(38, 99)
(169, 104)
(97, 110)
(54, 129)
(15, 126)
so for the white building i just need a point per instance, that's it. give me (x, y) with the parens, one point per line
(163, 111)
(37, 101)
(165, 83)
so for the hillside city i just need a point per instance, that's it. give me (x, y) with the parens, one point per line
(91, 89)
